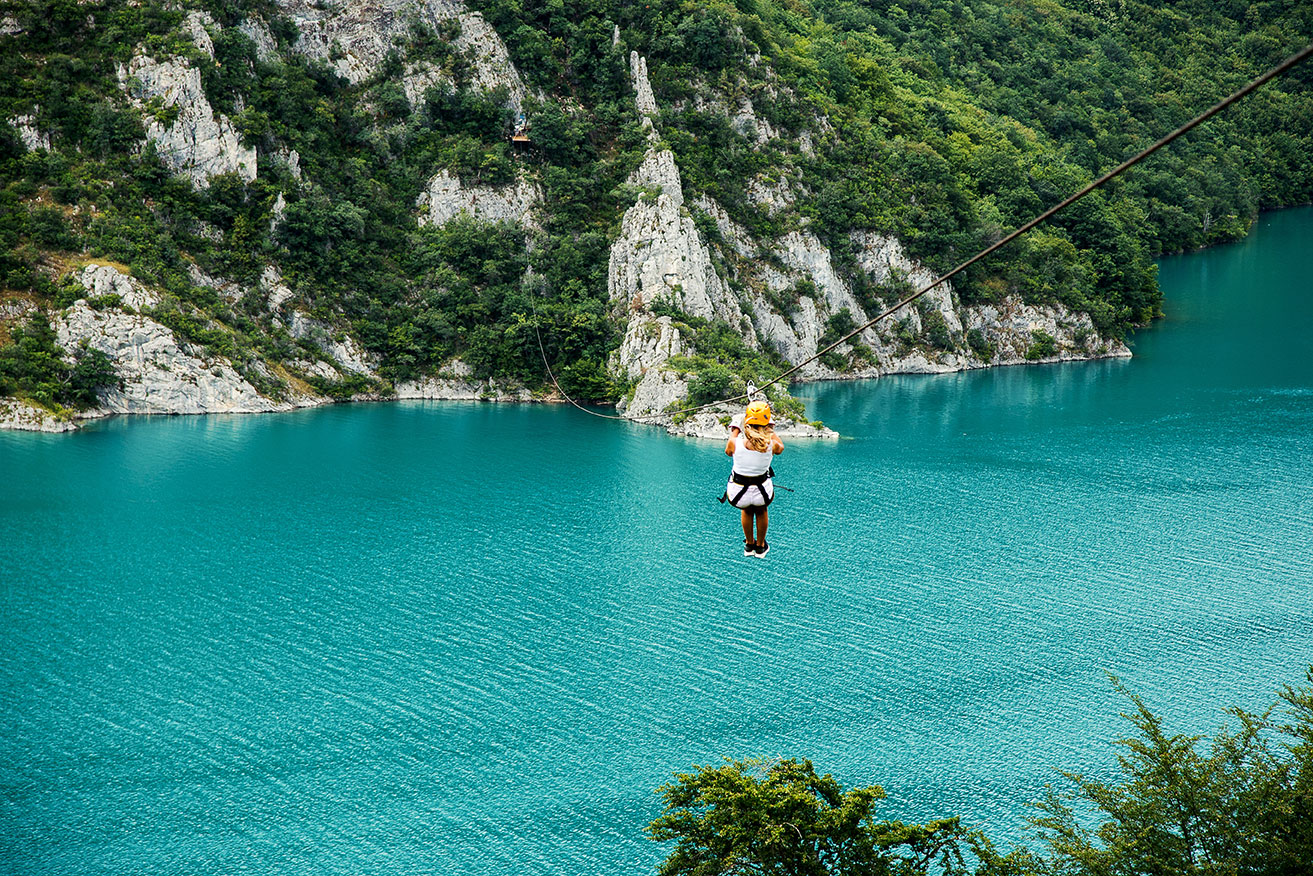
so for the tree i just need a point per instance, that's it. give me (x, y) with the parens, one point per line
(1242, 804)
(782, 819)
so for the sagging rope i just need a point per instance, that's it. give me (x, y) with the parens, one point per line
(1047, 214)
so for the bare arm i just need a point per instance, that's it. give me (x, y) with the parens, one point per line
(729, 445)
(776, 445)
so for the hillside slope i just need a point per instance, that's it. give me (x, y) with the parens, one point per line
(249, 206)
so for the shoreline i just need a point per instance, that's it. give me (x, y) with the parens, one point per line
(20, 415)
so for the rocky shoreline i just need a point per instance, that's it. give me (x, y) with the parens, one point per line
(20, 415)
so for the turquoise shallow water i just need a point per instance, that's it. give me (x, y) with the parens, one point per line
(418, 638)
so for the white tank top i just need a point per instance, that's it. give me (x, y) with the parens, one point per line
(750, 462)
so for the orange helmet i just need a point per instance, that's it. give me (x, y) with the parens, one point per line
(757, 414)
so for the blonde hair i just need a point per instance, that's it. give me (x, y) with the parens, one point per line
(758, 438)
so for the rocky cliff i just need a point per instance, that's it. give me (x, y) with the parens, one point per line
(676, 258)
(791, 293)
(190, 137)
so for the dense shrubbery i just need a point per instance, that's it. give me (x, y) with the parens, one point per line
(947, 125)
(1244, 804)
(32, 367)
(1067, 91)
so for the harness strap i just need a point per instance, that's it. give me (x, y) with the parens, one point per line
(746, 481)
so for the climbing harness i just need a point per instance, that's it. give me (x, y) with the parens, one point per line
(1207, 114)
(746, 482)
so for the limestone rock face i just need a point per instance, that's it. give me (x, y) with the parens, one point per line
(107, 280)
(650, 341)
(446, 198)
(792, 290)
(659, 255)
(159, 374)
(197, 143)
(195, 25)
(1011, 324)
(747, 123)
(644, 99)
(258, 31)
(18, 415)
(456, 382)
(27, 130)
(14, 310)
(272, 283)
(656, 392)
(355, 38)
(339, 346)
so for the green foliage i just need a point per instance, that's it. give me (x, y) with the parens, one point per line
(980, 345)
(942, 125)
(782, 818)
(936, 329)
(1239, 804)
(721, 364)
(1042, 346)
(105, 302)
(32, 367)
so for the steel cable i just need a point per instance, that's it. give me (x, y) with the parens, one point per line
(1047, 214)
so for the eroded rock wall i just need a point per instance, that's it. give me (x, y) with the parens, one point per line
(356, 38)
(190, 137)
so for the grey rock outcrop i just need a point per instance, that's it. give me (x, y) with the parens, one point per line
(271, 281)
(644, 99)
(101, 279)
(21, 416)
(338, 346)
(660, 256)
(649, 341)
(456, 382)
(746, 122)
(197, 24)
(258, 32)
(792, 290)
(158, 373)
(1011, 326)
(196, 142)
(32, 137)
(356, 39)
(446, 198)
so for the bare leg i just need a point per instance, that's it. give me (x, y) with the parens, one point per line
(747, 525)
(763, 520)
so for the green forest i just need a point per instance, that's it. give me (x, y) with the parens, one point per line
(944, 124)
(1240, 802)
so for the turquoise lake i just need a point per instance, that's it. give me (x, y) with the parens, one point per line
(473, 639)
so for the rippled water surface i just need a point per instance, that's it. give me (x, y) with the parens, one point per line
(446, 638)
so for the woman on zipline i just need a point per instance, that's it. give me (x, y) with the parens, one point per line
(750, 488)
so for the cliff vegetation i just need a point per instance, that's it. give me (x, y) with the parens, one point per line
(334, 200)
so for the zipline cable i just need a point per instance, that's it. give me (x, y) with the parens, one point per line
(1285, 65)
